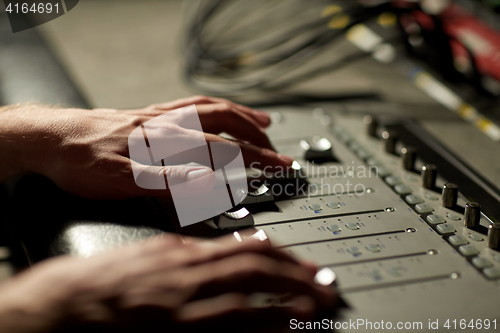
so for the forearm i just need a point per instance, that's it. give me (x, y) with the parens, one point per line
(11, 152)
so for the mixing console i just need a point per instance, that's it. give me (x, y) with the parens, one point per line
(410, 246)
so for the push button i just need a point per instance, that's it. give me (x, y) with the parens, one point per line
(354, 250)
(413, 199)
(492, 273)
(373, 248)
(352, 226)
(315, 207)
(393, 180)
(476, 238)
(383, 171)
(481, 263)
(403, 189)
(457, 240)
(423, 208)
(334, 228)
(468, 250)
(445, 228)
(435, 219)
(333, 205)
(453, 217)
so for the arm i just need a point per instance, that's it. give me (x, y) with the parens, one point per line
(85, 152)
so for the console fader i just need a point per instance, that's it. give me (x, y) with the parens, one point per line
(405, 243)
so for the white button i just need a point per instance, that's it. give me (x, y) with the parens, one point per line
(374, 162)
(354, 250)
(457, 240)
(403, 189)
(476, 238)
(435, 219)
(394, 180)
(431, 197)
(492, 273)
(468, 250)
(352, 226)
(453, 217)
(481, 262)
(333, 205)
(373, 248)
(383, 171)
(445, 228)
(315, 207)
(413, 199)
(334, 228)
(423, 208)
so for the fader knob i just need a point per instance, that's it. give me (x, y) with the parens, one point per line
(472, 215)
(494, 236)
(429, 175)
(450, 195)
(318, 150)
(409, 156)
(234, 220)
(372, 126)
(391, 139)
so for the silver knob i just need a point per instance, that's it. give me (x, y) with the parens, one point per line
(409, 156)
(318, 150)
(234, 220)
(429, 175)
(472, 215)
(450, 195)
(494, 236)
(391, 139)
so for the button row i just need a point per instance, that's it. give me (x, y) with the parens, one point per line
(336, 228)
(318, 208)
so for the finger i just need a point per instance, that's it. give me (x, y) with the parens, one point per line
(220, 118)
(259, 157)
(230, 310)
(189, 181)
(250, 273)
(182, 102)
(262, 118)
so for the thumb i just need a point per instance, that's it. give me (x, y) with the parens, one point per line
(186, 180)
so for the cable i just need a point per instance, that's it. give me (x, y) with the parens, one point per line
(227, 57)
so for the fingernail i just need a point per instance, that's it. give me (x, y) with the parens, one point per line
(262, 116)
(259, 235)
(198, 178)
(325, 277)
(286, 159)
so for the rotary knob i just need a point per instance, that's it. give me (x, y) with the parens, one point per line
(450, 195)
(429, 175)
(234, 220)
(318, 150)
(391, 140)
(472, 215)
(409, 157)
(494, 236)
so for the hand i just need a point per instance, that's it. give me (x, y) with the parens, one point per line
(86, 152)
(163, 282)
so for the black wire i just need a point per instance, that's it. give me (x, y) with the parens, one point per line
(206, 66)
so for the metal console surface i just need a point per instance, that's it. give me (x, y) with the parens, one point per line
(400, 256)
